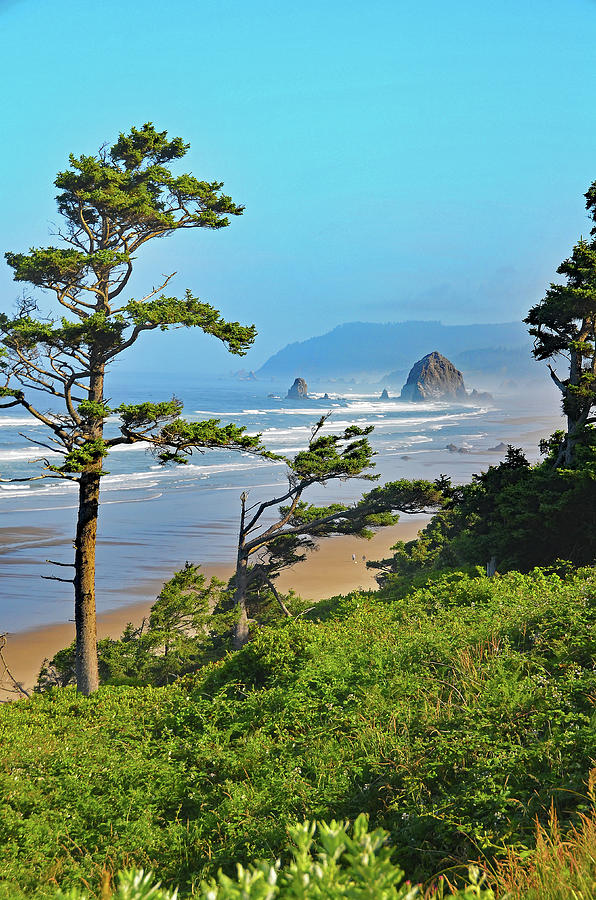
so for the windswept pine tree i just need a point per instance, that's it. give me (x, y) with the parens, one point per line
(266, 548)
(112, 205)
(563, 324)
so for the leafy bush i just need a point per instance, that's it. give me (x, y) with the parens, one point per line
(338, 864)
(523, 516)
(329, 862)
(453, 716)
(189, 625)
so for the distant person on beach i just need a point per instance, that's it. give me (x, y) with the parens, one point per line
(353, 557)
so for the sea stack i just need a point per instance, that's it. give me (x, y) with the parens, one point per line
(434, 378)
(384, 394)
(298, 391)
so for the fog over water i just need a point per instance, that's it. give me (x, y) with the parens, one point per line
(153, 519)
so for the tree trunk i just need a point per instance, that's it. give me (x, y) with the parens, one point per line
(570, 442)
(84, 584)
(240, 629)
(573, 408)
(277, 596)
(87, 671)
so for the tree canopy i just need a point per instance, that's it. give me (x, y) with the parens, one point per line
(563, 324)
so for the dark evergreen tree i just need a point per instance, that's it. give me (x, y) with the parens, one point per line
(518, 515)
(563, 324)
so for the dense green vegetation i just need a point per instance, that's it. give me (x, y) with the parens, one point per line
(524, 516)
(327, 861)
(453, 715)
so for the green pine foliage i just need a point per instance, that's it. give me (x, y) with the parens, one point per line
(188, 626)
(563, 324)
(111, 205)
(524, 516)
(453, 716)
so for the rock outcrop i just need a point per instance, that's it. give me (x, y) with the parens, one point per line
(434, 378)
(480, 396)
(384, 395)
(298, 391)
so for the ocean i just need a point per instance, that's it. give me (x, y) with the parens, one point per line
(154, 519)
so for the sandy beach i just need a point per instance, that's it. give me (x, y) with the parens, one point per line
(328, 571)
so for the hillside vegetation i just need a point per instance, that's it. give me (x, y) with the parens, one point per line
(454, 715)
(522, 516)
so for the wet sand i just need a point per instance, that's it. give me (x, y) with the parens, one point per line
(329, 571)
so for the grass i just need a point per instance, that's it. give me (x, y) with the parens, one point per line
(454, 716)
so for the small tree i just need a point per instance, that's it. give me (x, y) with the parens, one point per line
(188, 626)
(265, 548)
(563, 324)
(112, 204)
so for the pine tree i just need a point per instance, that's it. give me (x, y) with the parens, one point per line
(563, 324)
(266, 548)
(112, 205)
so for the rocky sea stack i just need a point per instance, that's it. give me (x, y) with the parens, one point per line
(298, 391)
(434, 377)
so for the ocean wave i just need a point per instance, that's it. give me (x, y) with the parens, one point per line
(278, 411)
(19, 422)
(141, 446)
(20, 453)
(38, 489)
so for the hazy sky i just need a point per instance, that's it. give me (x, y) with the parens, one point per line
(397, 159)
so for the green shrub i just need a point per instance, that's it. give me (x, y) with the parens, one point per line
(522, 516)
(452, 716)
(340, 862)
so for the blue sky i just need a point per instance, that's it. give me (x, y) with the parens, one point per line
(397, 160)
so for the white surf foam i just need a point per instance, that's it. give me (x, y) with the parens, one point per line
(21, 453)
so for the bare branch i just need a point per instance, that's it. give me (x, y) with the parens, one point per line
(46, 421)
(128, 343)
(39, 477)
(41, 444)
(17, 685)
(275, 502)
(277, 596)
(556, 379)
(56, 578)
(152, 292)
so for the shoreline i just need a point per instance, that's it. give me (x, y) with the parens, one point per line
(325, 573)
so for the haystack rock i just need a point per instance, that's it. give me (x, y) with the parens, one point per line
(298, 391)
(434, 378)
(384, 395)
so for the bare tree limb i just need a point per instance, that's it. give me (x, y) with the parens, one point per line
(57, 578)
(18, 686)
